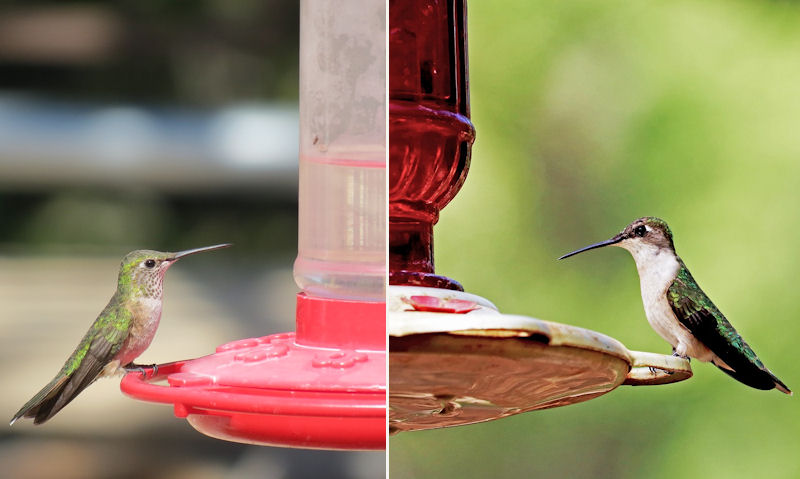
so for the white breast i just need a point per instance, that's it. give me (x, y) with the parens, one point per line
(657, 269)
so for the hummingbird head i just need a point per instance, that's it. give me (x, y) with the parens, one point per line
(645, 236)
(143, 270)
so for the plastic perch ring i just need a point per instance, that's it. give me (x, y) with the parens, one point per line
(286, 389)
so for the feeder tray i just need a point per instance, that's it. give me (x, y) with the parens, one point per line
(451, 369)
(286, 389)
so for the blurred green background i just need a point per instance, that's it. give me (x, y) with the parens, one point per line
(590, 114)
(156, 124)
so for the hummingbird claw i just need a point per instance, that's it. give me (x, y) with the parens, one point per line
(675, 353)
(142, 368)
(655, 370)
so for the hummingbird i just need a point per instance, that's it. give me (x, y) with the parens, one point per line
(121, 332)
(680, 312)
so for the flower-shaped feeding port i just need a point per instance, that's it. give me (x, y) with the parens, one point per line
(286, 389)
(325, 385)
(450, 369)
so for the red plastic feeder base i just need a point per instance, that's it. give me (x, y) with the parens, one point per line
(285, 389)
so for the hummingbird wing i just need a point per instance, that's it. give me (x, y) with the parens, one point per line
(96, 350)
(696, 311)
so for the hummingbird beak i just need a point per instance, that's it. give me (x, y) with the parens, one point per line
(616, 239)
(181, 254)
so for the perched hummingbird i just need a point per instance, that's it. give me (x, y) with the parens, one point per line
(680, 312)
(122, 331)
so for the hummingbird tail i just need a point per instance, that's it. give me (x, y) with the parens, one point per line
(755, 377)
(41, 406)
(781, 387)
(57, 394)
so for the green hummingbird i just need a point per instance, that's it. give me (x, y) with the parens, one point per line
(122, 331)
(680, 312)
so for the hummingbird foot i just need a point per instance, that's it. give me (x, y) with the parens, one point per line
(141, 368)
(683, 356)
(654, 370)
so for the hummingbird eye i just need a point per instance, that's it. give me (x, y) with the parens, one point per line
(640, 231)
(150, 263)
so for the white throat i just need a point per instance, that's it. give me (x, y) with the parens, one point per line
(657, 268)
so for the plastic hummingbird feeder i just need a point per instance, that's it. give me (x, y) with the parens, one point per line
(454, 358)
(323, 386)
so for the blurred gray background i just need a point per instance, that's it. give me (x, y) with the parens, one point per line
(163, 125)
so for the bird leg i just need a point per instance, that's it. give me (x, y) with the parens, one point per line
(679, 355)
(653, 370)
(141, 368)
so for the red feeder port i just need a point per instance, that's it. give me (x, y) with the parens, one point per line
(287, 389)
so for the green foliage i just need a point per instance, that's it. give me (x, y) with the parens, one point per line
(590, 114)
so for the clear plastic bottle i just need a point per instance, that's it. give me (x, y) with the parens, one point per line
(342, 217)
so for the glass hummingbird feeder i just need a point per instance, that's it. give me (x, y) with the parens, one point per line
(323, 386)
(454, 358)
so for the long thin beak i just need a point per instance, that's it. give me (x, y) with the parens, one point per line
(614, 240)
(181, 254)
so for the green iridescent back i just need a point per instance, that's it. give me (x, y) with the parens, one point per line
(696, 311)
(107, 334)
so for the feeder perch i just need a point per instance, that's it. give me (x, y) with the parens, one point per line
(450, 369)
(325, 385)
(454, 358)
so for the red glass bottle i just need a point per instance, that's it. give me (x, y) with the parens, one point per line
(430, 133)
